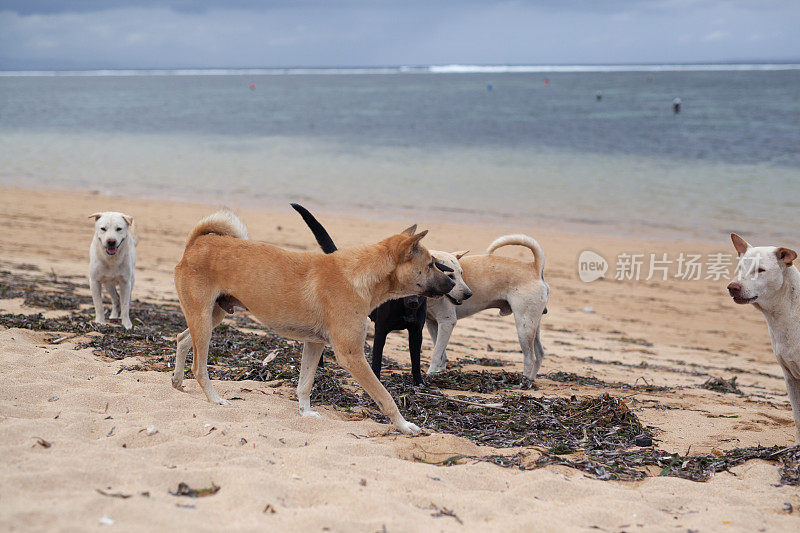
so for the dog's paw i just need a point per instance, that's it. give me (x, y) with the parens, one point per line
(435, 370)
(127, 324)
(177, 382)
(407, 427)
(114, 315)
(310, 413)
(221, 401)
(100, 321)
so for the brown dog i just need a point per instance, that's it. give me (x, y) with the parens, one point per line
(309, 296)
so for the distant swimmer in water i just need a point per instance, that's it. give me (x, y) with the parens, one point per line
(598, 95)
(488, 86)
(676, 105)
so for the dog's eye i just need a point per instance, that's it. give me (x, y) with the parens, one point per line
(103, 229)
(119, 229)
(762, 269)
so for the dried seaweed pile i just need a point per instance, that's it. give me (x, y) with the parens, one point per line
(633, 465)
(595, 435)
(570, 377)
(728, 386)
(40, 291)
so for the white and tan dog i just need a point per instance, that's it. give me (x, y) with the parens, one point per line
(313, 297)
(495, 282)
(767, 278)
(112, 261)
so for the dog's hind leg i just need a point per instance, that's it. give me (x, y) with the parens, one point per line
(414, 348)
(112, 290)
(183, 345)
(97, 299)
(350, 355)
(200, 326)
(528, 322)
(377, 349)
(439, 356)
(312, 352)
(793, 388)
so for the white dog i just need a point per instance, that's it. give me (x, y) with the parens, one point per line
(766, 278)
(496, 282)
(112, 259)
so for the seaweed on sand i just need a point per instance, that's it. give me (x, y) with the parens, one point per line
(632, 465)
(722, 385)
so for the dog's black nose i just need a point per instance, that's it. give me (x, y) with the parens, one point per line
(735, 288)
(467, 295)
(111, 242)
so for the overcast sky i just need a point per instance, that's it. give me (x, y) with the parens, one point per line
(69, 34)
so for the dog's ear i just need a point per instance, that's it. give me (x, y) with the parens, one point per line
(740, 244)
(460, 253)
(786, 255)
(128, 219)
(409, 231)
(410, 245)
(95, 216)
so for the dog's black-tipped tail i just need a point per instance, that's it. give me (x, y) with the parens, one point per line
(323, 239)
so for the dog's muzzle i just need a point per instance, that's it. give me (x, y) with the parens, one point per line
(735, 290)
(112, 247)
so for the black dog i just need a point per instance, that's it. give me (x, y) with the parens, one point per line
(395, 315)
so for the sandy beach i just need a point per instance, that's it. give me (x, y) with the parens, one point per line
(98, 466)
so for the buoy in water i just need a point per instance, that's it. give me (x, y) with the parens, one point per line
(546, 82)
(252, 86)
(488, 86)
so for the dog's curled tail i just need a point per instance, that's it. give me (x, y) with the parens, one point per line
(223, 222)
(521, 240)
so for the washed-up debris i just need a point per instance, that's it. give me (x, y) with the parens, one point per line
(106, 521)
(570, 377)
(114, 494)
(186, 490)
(632, 465)
(722, 385)
(444, 511)
(43, 443)
(150, 431)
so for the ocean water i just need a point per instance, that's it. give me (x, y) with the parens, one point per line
(462, 143)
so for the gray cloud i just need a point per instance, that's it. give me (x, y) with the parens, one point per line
(242, 33)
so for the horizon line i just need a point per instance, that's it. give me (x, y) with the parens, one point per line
(453, 68)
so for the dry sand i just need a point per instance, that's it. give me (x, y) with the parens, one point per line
(336, 474)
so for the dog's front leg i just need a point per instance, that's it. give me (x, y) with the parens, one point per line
(439, 356)
(97, 298)
(351, 356)
(793, 388)
(112, 290)
(125, 288)
(308, 366)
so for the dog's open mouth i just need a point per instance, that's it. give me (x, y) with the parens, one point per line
(739, 300)
(112, 249)
(455, 302)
